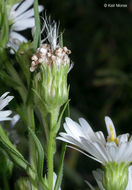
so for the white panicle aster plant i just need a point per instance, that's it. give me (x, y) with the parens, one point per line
(114, 153)
(21, 17)
(4, 100)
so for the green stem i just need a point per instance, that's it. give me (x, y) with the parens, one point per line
(51, 146)
(32, 148)
(45, 126)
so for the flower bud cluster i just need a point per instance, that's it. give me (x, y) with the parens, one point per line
(45, 55)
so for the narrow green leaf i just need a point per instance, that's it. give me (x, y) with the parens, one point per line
(13, 153)
(38, 96)
(4, 35)
(37, 35)
(40, 152)
(65, 113)
(60, 171)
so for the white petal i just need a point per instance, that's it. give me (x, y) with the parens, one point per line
(99, 136)
(127, 149)
(74, 128)
(15, 40)
(123, 138)
(111, 149)
(102, 151)
(4, 95)
(4, 115)
(23, 7)
(4, 102)
(27, 14)
(14, 120)
(95, 149)
(129, 185)
(123, 152)
(110, 126)
(87, 130)
(66, 138)
(17, 36)
(5, 118)
(85, 154)
(67, 129)
(98, 175)
(24, 24)
(14, 7)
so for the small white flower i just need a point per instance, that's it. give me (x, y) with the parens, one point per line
(4, 100)
(21, 18)
(114, 149)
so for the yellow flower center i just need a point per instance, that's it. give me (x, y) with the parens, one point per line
(112, 138)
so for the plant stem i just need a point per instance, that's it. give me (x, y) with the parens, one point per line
(52, 146)
(45, 125)
(32, 148)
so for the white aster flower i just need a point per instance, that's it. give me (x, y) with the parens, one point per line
(116, 149)
(4, 100)
(21, 17)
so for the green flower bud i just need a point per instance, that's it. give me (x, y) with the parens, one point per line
(52, 82)
(115, 176)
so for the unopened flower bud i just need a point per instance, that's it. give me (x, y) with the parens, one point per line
(54, 63)
(54, 68)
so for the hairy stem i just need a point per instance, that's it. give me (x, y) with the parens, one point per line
(32, 148)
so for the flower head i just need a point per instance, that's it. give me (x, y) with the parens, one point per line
(54, 63)
(21, 17)
(4, 100)
(50, 53)
(47, 57)
(113, 149)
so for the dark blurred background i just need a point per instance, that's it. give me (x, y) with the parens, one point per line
(101, 81)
